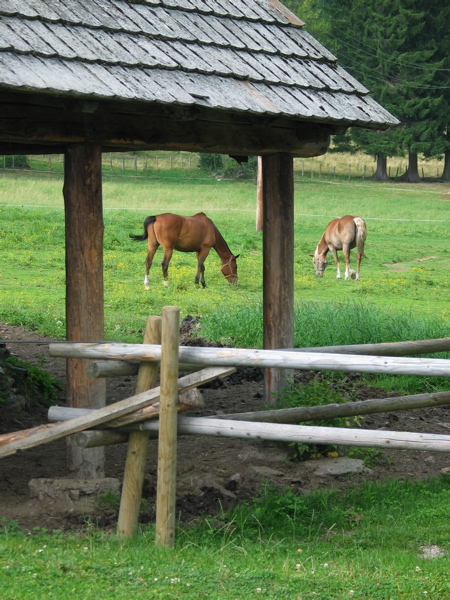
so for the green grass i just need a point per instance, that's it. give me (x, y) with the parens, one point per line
(328, 546)
(406, 272)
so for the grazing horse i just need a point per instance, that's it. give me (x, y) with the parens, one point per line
(187, 234)
(341, 234)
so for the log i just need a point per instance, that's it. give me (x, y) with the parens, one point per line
(113, 368)
(134, 473)
(84, 227)
(387, 348)
(117, 368)
(167, 440)
(309, 434)
(306, 434)
(104, 437)
(277, 182)
(316, 413)
(8, 438)
(243, 357)
(187, 400)
(105, 414)
(348, 409)
(121, 368)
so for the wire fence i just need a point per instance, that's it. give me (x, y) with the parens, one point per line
(167, 164)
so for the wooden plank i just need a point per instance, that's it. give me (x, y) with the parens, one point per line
(277, 181)
(246, 357)
(105, 414)
(134, 473)
(167, 441)
(84, 288)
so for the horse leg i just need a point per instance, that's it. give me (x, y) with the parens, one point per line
(200, 276)
(165, 264)
(358, 264)
(148, 264)
(336, 261)
(349, 272)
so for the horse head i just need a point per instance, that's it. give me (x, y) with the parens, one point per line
(320, 262)
(229, 270)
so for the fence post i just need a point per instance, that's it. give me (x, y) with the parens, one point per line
(167, 444)
(135, 163)
(137, 444)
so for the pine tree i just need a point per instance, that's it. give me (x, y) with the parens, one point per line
(390, 46)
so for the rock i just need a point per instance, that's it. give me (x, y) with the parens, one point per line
(329, 467)
(260, 473)
(56, 489)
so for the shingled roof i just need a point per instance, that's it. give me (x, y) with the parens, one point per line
(245, 56)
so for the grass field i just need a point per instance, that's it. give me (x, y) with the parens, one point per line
(369, 543)
(407, 270)
(325, 546)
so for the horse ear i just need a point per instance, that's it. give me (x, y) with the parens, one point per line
(237, 256)
(312, 255)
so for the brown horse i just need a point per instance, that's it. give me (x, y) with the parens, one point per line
(187, 234)
(341, 234)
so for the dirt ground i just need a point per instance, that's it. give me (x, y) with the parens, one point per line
(212, 472)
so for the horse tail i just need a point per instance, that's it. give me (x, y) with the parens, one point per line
(361, 235)
(140, 238)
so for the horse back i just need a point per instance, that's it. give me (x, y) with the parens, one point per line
(342, 231)
(186, 234)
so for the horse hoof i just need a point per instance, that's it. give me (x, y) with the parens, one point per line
(146, 287)
(353, 276)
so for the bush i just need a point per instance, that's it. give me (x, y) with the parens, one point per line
(16, 161)
(211, 162)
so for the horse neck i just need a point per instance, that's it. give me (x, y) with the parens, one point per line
(221, 247)
(322, 246)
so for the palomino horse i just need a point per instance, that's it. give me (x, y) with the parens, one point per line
(341, 234)
(187, 234)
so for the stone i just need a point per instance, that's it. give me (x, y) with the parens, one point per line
(329, 467)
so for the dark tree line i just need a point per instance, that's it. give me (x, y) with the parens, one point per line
(400, 50)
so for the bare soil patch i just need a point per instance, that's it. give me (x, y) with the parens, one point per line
(212, 472)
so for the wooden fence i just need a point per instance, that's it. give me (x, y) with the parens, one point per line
(128, 420)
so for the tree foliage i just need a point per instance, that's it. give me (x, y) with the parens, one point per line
(399, 49)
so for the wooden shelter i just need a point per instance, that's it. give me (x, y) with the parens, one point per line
(238, 77)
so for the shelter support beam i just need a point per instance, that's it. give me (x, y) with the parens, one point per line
(277, 188)
(84, 288)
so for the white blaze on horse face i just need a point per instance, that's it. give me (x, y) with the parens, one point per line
(320, 263)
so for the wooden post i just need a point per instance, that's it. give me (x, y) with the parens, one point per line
(167, 444)
(133, 480)
(278, 263)
(84, 288)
